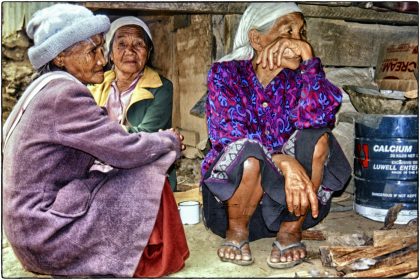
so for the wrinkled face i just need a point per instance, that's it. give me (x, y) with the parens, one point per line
(288, 26)
(129, 49)
(84, 60)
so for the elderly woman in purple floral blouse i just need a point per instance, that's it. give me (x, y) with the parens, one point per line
(273, 163)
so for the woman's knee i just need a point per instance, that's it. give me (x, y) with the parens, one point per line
(251, 170)
(322, 149)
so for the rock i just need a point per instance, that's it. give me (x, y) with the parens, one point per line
(188, 171)
(192, 153)
(353, 239)
(16, 54)
(17, 39)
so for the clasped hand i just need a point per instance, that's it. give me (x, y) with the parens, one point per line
(278, 52)
(180, 137)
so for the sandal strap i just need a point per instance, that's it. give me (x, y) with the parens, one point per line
(282, 249)
(236, 246)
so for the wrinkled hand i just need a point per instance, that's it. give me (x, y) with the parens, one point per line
(300, 194)
(180, 137)
(274, 53)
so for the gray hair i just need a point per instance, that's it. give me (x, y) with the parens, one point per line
(260, 16)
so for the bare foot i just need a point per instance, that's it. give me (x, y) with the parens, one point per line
(236, 249)
(289, 233)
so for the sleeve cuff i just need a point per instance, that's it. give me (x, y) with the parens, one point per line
(311, 66)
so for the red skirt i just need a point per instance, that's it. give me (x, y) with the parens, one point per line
(167, 249)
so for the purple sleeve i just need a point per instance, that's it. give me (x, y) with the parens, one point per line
(84, 126)
(319, 99)
(227, 120)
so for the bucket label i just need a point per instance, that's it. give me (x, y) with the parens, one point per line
(386, 149)
(396, 151)
(384, 194)
(388, 169)
(386, 159)
(393, 148)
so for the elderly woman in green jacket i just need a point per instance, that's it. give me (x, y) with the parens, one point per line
(134, 94)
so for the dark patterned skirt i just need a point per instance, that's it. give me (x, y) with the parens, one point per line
(225, 174)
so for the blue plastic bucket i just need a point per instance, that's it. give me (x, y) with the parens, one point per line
(386, 166)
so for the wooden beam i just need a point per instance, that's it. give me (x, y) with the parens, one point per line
(313, 235)
(370, 253)
(407, 266)
(330, 10)
(330, 253)
(340, 43)
(397, 258)
(399, 235)
(173, 7)
(357, 14)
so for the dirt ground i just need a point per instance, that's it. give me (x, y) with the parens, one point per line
(341, 227)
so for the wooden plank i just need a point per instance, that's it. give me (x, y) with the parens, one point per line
(409, 265)
(190, 137)
(357, 14)
(404, 235)
(173, 7)
(340, 43)
(397, 258)
(193, 57)
(192, 194)
(332, 10)
(370, 253)
(392, 259)
(313, 235)
(330, 253)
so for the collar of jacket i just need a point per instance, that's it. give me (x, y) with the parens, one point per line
(150, 79)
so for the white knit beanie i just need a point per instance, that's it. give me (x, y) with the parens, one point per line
(60, 26)
(256, 16)
(124, 21)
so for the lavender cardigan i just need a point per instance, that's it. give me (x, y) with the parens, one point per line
(61, 219)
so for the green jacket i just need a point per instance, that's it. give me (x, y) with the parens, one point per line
(150, 107)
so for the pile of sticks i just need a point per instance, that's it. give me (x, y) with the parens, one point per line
(391, 252)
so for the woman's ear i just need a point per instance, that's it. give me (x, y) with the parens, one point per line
(111, 56)
(59, 60)
(254, 38)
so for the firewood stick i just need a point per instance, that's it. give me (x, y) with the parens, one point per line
(395, 259)
(386, 271)
(329, 253)
(392, 259)
(313, 235)
(371, 252)
(384, 237)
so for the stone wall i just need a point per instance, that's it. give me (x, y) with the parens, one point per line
(17, 71)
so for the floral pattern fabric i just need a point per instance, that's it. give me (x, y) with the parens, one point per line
(238, 106)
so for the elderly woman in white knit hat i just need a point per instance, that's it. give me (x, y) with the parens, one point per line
(273, 163)
(134, 94)
(63, 214)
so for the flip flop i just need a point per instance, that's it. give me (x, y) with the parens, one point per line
(283, 250)
(238, 247)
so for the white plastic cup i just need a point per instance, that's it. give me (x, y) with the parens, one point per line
(189, 212)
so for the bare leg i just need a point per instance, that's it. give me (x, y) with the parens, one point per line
(241, 206)
(291, 232)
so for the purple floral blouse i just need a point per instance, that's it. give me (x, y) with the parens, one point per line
(239, 107)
